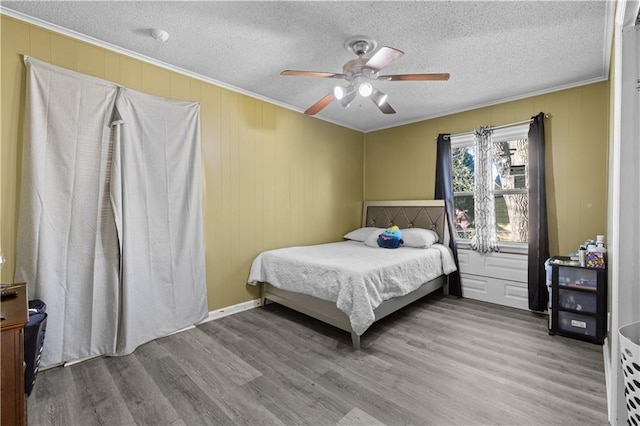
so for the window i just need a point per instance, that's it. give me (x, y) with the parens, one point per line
(510, 180)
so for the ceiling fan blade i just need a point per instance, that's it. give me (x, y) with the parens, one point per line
(318, 106)
(385, 107)
(415, 77)
(383, 57)
(314, 74)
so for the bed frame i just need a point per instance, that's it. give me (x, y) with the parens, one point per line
(428, 214)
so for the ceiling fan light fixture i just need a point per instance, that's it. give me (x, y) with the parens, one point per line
(360, 72)
(348, 98)
(378, 97)
(345, 94)
(365, 89)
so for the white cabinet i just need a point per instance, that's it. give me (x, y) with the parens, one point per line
(499, 278)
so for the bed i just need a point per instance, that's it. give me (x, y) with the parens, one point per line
(351, 284)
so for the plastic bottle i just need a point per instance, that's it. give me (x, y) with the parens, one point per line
(595, 257)
(582, 254)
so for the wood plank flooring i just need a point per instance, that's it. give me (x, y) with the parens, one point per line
(440, 361)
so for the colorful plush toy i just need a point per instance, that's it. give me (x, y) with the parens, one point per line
(390, 238)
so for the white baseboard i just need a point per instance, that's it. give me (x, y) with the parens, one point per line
(180, 331)
(233, 309)
(78, 361)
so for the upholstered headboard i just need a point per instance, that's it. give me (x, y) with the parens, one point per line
(428, 214)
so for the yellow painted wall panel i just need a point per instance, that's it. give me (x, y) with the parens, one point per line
(64, 51)
(112, 67)
(156, 81)
(180, 87)
(405, 163)
(91, 60)
(571, 193)
(14, 44)
(130, 73)
(40, 44)
(195, 90)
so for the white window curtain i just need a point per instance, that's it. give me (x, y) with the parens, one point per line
(485, 240)
(72, 249)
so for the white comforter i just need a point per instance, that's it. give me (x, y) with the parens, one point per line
(354, 276)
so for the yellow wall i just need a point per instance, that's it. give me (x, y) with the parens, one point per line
(272, 177)
(400, 162)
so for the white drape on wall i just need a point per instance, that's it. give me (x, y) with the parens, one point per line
(156, 195)
(67, 249)
(117, 255)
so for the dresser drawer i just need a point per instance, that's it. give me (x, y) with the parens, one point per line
(577, 323)
(577, 300)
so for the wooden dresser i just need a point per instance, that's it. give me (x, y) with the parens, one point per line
(15, 311)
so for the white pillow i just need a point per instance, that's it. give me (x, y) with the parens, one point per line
(361, 234)
(419, 237)
(372, 239)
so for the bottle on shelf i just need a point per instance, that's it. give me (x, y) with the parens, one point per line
(595, 253)
(582, 253)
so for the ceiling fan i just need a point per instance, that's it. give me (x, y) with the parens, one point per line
(359, 73)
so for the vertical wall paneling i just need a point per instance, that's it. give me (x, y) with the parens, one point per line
(40, 43)
(212, 197)
(91, 60)
(15, 42)
(179, 87)
(64, 51)
(130, 73)
(112, 67)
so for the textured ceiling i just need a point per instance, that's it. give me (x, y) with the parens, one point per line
(493, 50)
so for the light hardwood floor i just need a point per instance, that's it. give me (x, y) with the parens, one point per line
(441, 360)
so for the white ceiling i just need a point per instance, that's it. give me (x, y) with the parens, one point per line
(494, 50)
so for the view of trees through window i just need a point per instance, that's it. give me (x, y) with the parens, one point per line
(510, 168)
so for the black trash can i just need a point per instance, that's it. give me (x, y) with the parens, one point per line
(34, 332)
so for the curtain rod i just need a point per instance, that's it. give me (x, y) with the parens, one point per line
(495, 127)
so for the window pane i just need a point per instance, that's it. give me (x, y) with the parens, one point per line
(510, 161)
(512, 217)
(510, 169)
(462, 168)
(463, 220)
